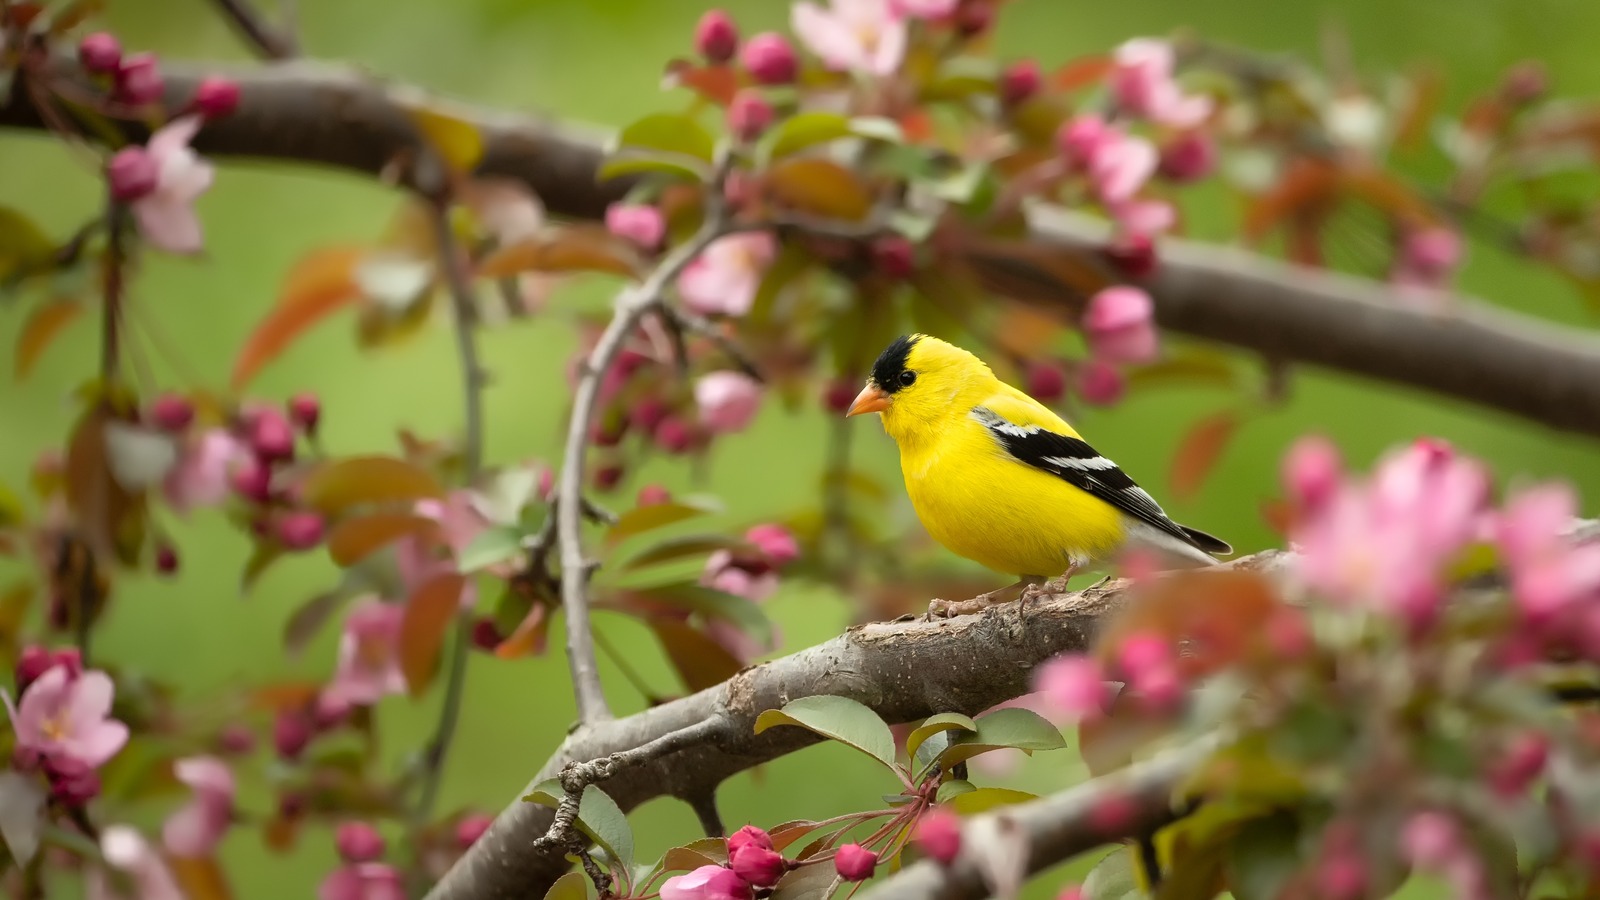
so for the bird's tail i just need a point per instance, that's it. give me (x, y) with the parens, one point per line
(1209, 543)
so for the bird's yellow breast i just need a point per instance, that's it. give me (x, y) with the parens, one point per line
(982, 504)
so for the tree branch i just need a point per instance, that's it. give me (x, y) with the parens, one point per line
(1051, 829)
(631, 306)
(270, 42)
(323, 115)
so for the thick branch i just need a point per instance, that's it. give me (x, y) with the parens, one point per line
(903, 670)
(1051, 829)
(310, 114)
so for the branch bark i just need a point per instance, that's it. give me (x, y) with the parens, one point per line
(313, 114)
(902, 670)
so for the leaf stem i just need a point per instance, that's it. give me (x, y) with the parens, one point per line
(269, 42)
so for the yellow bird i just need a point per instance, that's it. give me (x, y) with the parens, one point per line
(998, 478)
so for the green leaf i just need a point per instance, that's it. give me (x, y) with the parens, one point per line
(878, 128)
(934, 725)
(983, 799)
(1112, 878)
(839, 718)
(631, 162)
(798, 132)
(571, 886)
(24, 247)
(700, 661)
(599, 817)
(659, 515)
(491, 546)
(671, 133)
(789, 832)
(952, 789)
(1022, 729)
(22, 817)
(806, 883)
(704, 852)
(914, 226)
(676, 548)
(718, 604)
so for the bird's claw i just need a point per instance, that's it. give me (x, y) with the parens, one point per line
(937, 609)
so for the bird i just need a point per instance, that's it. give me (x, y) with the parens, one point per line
(998, 478)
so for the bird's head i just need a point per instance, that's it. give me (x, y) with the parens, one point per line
(919, 381)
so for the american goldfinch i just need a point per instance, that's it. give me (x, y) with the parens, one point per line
(998, 478)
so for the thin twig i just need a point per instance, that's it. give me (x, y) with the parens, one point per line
(631, 306)
(115, 261)
(693, 323)
(270, 42)
(472, 382)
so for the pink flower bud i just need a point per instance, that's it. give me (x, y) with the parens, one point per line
(471, 827)
(132, 174)
(758, 865)
(1432, 253)
(606, 478)
(305, 411)
(673, 435)
(854, 862)
(1312, 470)
(1143, 652)
(938, 835)
(894, 256)
(1071, 892)
(166, 559)
(329, 712)
(1523, 760)
(1113, 814)
(1046, 382)
(728, 400)
(235, 739)
(1134, 255)
(547, 483)
(486, 634)
(1120, 325)
(638, 222)
(358, 842)
(271, 437)
(172, 412)
(1072, 685)
(1019, 81)
(1430, 840)
(69, 658)
(100, 53)
(716, 37)
(1341, 876)
(216, 96)
(776, 542)
(653, 495)
(32, 662)
(838, 395)
(608, 431)
(1189, 157)
(77, 789)
(749, 115)
(975, 17)
(1526, 82)
(749, 835)
(253, 481)
(647, 414)
(770, 59)
(1081, 138)
(291, 732)
(1100, 383)
(139, 80)
(300, 530)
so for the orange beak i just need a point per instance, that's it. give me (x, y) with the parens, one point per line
(871, 399)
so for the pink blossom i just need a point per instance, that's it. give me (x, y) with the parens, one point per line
(1120, 326)
(1312, 470)
(852, 35)
(1143, 85)
(68, 717)
(126, 849)
(1548, 574)
(1142, 218)
(1075, 686)
(166, 214)
(1430, 840)
(363, 881)
(724, 279)
(938, 835)
(704, 883)
(202, 476)
(196, 829)
(1117, 164)
(638, 222)
(775, 542)
(923, 9)
(725, 574)
(728, 400)
(369, 660)
(1384, 542)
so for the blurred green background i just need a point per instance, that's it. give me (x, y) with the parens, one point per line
(601, 62)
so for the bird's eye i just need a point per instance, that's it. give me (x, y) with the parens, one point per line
(908, 378)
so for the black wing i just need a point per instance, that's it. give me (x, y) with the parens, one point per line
(1074, 461)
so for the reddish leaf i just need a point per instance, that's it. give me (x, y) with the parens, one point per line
(201, 878)
(280, 833)
(284, 696)
(1217, 613)
(1199, 451)
(700, 661)
(717, 84)
(43, 325)
(336, 487)
(429, 612)
(321, 283)
(1279, 515)
(575, 248)
(530, 637)
(1393, 196)
(1417, 115)
(819, 186)
(353, 540)
(110, 517)
(1082, 72)
(1306, 184)
(308, 619)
